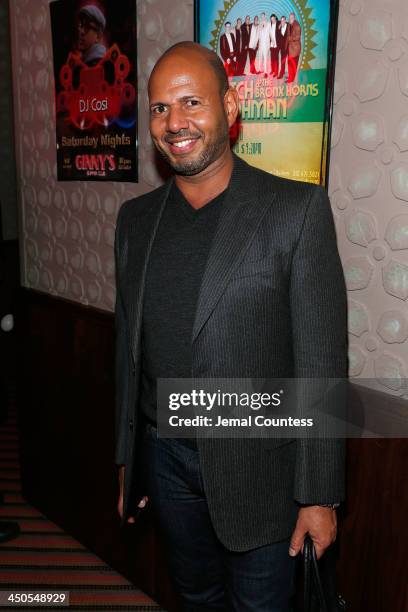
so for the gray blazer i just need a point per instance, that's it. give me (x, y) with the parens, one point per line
(272, 304)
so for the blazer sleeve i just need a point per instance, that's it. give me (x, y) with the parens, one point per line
(318, 305)
(223, 47)
(234, 43)
(297, 35)
(122, 365)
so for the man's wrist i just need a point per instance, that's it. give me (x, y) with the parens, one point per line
(333, 506)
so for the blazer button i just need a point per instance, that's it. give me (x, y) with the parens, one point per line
(131, 424)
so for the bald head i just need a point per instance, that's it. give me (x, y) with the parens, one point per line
(196, 53)
(192, 108)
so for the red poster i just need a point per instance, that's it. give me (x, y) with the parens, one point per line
(94, 46)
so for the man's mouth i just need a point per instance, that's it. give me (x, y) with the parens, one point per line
(182, 146)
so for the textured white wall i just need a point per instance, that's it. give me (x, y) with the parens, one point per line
(369, 185)
(67, 229)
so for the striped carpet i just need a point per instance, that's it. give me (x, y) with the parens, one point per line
(44, 558)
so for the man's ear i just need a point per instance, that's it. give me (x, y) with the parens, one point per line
(231, 105)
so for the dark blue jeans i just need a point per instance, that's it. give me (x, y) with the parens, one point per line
(206, 574)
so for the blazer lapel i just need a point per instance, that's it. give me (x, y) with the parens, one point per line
(142, 232)
(243, 209)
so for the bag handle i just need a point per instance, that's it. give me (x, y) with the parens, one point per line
(312, 576)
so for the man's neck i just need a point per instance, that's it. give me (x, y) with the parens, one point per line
(207, 185)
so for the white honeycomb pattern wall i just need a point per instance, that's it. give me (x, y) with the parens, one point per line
(369, 185)
(67, 229)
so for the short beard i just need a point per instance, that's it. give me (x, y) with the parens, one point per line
(210, 154)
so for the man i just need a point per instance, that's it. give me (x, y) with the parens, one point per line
(264, 35)
(225, 271)
(239, 47)
(274, 46)
(253, 45)
(294, 47)
(228, 50)
(91, 26)
(246, 35)
(282, 41)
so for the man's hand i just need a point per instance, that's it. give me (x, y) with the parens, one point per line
(141, 504)
(320, 523)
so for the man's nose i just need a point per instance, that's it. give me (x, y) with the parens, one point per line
(176, 119)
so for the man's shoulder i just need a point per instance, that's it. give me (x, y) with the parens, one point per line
(134, 207)
(291, 200)
(288, 189)
(292, 190)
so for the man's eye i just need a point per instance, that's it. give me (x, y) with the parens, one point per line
(157, 110)
(192, 103)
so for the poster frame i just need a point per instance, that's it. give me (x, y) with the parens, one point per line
(128, 176)
(329, 92)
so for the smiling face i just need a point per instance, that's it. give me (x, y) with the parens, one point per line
(189, 115)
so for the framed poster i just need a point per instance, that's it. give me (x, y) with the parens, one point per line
(280, 57)
(94, 47)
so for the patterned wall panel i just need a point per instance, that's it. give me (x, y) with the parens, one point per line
(68, 228)
(369, 185)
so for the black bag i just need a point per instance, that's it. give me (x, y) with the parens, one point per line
(320, 588)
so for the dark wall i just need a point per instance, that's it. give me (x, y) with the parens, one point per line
(67, 416)
(8, 191)
(66, 419)
(9, 283)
